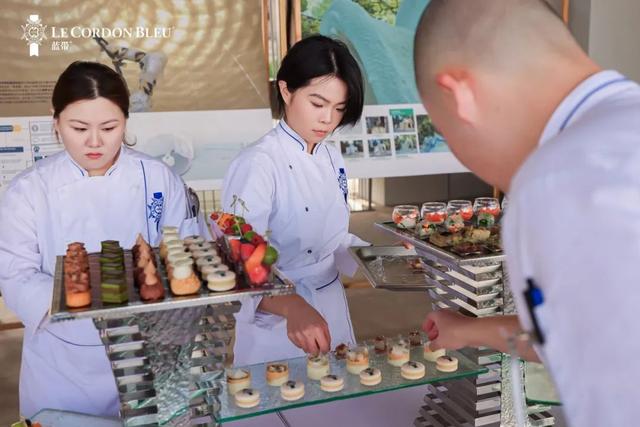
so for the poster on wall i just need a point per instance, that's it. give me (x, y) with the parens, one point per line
(396, 136)
(195, 70)
(394, 140)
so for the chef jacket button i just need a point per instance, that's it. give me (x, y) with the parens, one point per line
(306, 208)
(290, 167)
(309, 251)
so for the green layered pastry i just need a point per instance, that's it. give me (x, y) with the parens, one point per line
(113, 284)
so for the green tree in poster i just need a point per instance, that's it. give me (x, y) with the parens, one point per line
(314, 10)
(384, 10)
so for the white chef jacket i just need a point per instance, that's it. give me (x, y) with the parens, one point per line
(48, 206)
(302, 199)
(573, 227)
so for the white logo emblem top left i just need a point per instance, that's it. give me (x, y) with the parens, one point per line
(34, 33)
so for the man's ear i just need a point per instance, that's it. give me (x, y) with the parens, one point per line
(458, 92)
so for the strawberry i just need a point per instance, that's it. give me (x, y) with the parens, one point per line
(249, 235)
(229, 231)
(258, 275)
(246, 249)
(215, 216)
(245, 228)
(256, 257)
(257, 239)
(235, 249)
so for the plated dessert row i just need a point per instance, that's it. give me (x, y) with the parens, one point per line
(357, 363)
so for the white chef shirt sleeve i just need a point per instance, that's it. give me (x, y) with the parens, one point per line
(26, 289)
(249, 178)
(179, 208)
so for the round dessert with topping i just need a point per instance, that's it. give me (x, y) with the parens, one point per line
(370, 376)
(380, 345)
(447, 364)
(247, 398)
(238, 379)
(398, 355)
(432, 355)
(221, 281)
(212, 268)
(357, 360)
(292, 390)
(412, 370)
(341, 351)
(317, 366)
(331, 383)
(277, 374)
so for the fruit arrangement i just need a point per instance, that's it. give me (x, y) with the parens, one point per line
(247, 247)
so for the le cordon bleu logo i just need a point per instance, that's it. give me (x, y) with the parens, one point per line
(34, 32)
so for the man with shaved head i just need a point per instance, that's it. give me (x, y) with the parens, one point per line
(523, 107)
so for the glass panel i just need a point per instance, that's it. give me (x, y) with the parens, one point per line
(270, 400)
(538, 387)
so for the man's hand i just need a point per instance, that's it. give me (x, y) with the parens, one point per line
(448, 329)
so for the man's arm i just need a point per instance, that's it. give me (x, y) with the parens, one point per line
(451, 330)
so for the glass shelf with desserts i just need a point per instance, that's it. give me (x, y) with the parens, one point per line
(342, 374)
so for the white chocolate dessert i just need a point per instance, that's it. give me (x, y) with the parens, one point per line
(432, 355)
(247, 398)
(412, 370)
(317, 367)
(370, 376)
(221, 281)
(331, 383)
(447, 364)
(238, 379)
(292, 390)
(398, 355)
(277, 374)
(357, 360)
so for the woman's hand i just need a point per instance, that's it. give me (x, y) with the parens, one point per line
(306, 328)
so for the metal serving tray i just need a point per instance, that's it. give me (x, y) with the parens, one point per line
(59, 311)
(391, 267)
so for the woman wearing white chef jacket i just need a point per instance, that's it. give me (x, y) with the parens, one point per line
(295, 184)
(96, 189)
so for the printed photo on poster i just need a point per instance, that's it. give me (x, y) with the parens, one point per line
(406, 144)
(429, 140)
(377, 125)
(352, 149)
(380, 147)
(403, 120)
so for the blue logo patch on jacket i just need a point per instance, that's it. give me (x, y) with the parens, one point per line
(155, 208)
(342, 180)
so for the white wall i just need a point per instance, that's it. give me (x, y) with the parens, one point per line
(614, 35)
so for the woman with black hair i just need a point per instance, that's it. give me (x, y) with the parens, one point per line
(294, 184)
(96, 189)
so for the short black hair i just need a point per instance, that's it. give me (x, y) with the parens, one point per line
(317, 56)
(85, 80)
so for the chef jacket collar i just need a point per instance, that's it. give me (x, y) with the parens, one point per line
(580, 100)
(83, 172)
(285, 130)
